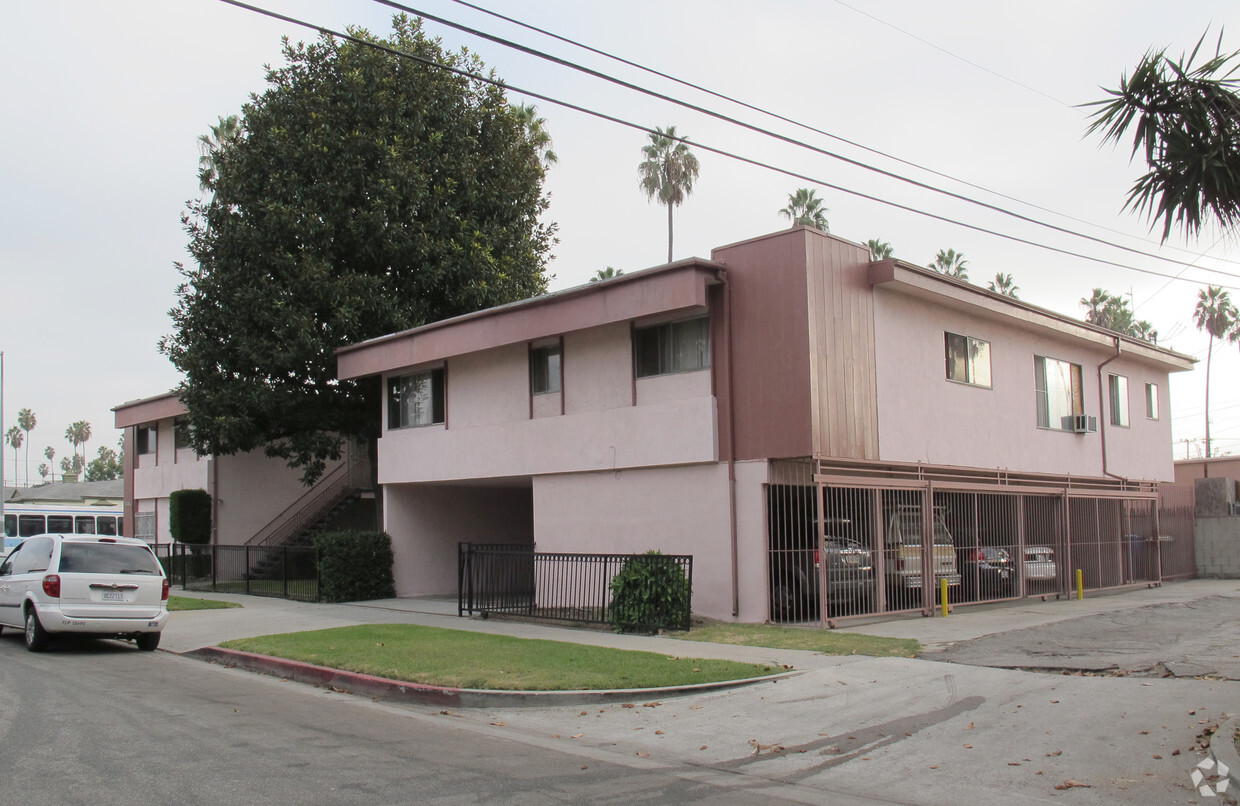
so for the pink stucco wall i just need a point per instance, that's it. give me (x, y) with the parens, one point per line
(252, 490)
(491, 387)
(678, 510)
(598, 369)
(1186, 470)
(426, 522)
(924, 417)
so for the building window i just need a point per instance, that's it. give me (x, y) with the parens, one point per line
(1058, 388)
(1118, 386)
(1151, 401)
(144, 523)
(968, 359)
(416, 399)
(147, 437)
(180, 434)
(672, 347)
(545, 369)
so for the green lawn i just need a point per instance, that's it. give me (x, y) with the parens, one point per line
(828, 642)
(478, 660)
(190, 603)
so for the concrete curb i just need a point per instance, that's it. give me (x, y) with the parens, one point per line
(401, 691)
(1224, 752)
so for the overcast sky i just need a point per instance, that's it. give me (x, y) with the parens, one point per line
(103, 103)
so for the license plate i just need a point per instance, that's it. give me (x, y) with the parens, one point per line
(113, 596)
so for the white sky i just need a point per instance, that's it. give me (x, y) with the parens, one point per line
(103, 103)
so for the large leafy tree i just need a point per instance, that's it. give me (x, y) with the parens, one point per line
(107, 466)
(1216, 314)
(667, 172)
(367, 194)
(222, 135)
(1186, 125)
(805, 208)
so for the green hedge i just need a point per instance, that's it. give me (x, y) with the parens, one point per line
(189, 516)
(355, 566)
(650, 593)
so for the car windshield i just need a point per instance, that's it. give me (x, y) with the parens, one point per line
(106, 558)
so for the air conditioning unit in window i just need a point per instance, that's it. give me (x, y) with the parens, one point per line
(1083, 423)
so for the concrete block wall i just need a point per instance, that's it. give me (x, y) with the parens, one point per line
(1217, 530)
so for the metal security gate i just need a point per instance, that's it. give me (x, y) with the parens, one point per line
(857, 545)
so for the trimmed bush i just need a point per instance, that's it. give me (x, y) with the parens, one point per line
(355, 566)
(189, 516)
(650, 593)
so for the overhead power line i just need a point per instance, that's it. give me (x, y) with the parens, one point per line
(782, 137)
(800, 124)
(695, 144)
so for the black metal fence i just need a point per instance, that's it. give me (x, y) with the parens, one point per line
(516, 579)
(286, 572)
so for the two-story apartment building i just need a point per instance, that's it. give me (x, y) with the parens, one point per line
(799, 419)
(256, 499)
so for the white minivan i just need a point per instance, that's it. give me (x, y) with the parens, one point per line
(107, 587)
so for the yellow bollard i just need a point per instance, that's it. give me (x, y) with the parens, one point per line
(943, 595)
(1080, 585)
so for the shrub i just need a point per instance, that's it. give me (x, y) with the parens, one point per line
(649, 593)
(189, 516)
(355, 566)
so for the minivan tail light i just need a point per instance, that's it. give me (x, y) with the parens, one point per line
(51, 585)
(164, 596)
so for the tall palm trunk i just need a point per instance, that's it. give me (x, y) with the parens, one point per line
(669, 232)
(1209, 356)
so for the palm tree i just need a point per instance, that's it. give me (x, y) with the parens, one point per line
(50, 453)
(667, 172)
(1186, 121)
(879, 250)
(227, 132)
(27, 421)
(1215, 314)
(78, 434)
(1094, 304)
(1003, 284)
(1145, 331)
(805, 208)
(14, 437)
(44, 469)
(606, 274)
(536, 130)
(951, 263)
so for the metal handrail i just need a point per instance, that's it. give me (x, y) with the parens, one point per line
(330, 489)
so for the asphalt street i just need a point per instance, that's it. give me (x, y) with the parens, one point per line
(936, 730)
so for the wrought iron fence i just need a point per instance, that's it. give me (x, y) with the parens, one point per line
(286, 572)
(516, 579)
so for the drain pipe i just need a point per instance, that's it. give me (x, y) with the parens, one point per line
(735, 554)
(1101, 407)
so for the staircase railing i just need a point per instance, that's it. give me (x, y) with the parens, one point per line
(334, 487)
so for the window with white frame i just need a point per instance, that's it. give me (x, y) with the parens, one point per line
(672, 347)
(1151, 401)
(545, 369)
(1118, 386)
(1057, 387)
(144, 524)
(968, 359)
(416, 399)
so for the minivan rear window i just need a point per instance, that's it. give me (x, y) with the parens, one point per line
(106, 558)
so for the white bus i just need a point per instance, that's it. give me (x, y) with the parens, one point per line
(25, 520)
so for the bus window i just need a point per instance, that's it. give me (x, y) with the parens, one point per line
(29, 525)
(10, 526)
(59, 524)
(107, 524)
(85, 524)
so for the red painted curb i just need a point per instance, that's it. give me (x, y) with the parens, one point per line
(354, 682)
